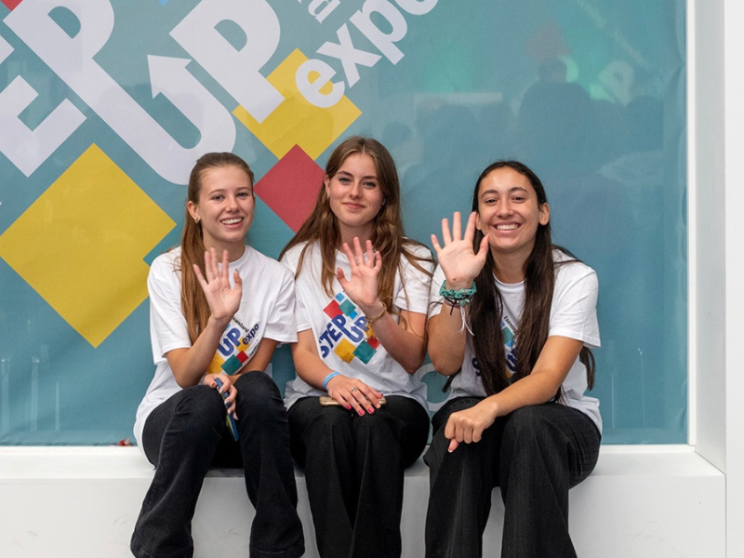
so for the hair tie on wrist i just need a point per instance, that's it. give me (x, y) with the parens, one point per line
(371, 321)
(328, 378)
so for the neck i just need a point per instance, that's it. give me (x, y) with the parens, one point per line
(234, 250)
(348, 234)
(509, 268)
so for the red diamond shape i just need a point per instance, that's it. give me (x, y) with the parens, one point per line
(11, 3)
(291, 187)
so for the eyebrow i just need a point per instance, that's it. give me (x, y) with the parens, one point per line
(511, 190)
(367, 177)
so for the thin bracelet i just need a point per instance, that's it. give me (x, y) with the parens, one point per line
(371, 321)
(328, 378)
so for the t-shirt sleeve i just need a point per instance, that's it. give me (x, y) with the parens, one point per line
(281, 324)
(168, 328)
(290, 259)
(413, 295)
(574, 309)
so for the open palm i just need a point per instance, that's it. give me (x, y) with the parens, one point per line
(223, 300)
(460, 263)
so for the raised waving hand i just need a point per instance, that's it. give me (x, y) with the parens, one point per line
(362, 286)
(461, 265)
(223, 300)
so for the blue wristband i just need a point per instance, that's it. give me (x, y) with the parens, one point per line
(328, 378)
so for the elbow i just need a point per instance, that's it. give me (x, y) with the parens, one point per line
(182, 381)
(445, 366)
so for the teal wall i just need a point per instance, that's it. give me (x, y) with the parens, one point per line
(590, 93)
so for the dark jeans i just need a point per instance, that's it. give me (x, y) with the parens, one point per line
(186, 435)
(354, 468)
(535, 454)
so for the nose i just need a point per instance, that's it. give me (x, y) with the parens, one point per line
(232, 203)
(505, 208)
(356, 190)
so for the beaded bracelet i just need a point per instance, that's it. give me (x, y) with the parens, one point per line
(328, 379)
(457, 297)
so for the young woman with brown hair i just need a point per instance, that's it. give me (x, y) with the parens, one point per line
(362, 297)
(513, 319)
(218, 308)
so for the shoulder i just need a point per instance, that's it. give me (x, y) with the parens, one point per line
(570, 271)
(268, 268)
(291, 257)
(167, 265)
(420, 254)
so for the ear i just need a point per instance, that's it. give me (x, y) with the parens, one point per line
(478, 221)
(544, 214)
(193, 211)
(327, 184)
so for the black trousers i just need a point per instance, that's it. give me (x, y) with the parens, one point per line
(186, 435)
(354, 468)
(534, 454)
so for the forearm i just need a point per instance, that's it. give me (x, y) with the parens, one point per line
(309, 366)
(190, 365)
(403, 340)
(447, 339)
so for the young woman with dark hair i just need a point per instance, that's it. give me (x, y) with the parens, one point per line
(212, 340)
(512, 323)
(362, 297)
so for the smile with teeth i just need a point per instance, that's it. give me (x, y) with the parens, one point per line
(233, 221)
(507, 227)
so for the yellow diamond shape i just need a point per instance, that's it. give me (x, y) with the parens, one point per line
(345, 351)
(81, 245)
(296, 121)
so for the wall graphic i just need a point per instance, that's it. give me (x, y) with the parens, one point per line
(106, 104)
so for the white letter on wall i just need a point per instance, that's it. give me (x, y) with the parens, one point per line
(383, 41)
(237, 70)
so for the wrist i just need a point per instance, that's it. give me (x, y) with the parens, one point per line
(328, 379)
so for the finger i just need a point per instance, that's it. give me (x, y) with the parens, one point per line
(358, 252)
(238, 281)
(483, 249)
(225, 265)
(352, 400)
(457, 226)
(365, 398)
(435, 243)
(453, 445)
(378, 261)
(341, 278)
(470, 227)
(349, 255)
(200, 277)
(467, 435)
(446, 236)
(370, 255)
(208, 266)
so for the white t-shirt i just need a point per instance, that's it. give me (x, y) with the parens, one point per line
(267, 310)
(573, 314)
(340, 329)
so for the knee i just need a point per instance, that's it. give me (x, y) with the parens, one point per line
(258, 396)
(200, 410)
(529, 427)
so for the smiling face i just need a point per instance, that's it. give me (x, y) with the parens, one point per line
(509, 213)
(355, 196)
(225, 208)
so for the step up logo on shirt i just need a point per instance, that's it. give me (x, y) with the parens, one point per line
(235, 348)
(347, 334)
(171, 80)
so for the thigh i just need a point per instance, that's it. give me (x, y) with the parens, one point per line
(555, 429)
(310, 422)
(410, 423)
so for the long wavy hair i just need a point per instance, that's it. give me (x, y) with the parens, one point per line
(387, 231)
(539, 282)
(193, 302)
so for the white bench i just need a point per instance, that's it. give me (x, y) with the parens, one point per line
(82, 502)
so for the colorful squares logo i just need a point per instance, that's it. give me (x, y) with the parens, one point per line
(333, 309)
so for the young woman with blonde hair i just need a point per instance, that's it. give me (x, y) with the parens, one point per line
(218, 308)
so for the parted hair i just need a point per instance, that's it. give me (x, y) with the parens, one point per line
(193, 302)
(387, 233)
(539, 282)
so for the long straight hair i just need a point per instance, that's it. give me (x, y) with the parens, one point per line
(387, 230)
(539, 282)
(193, 302)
